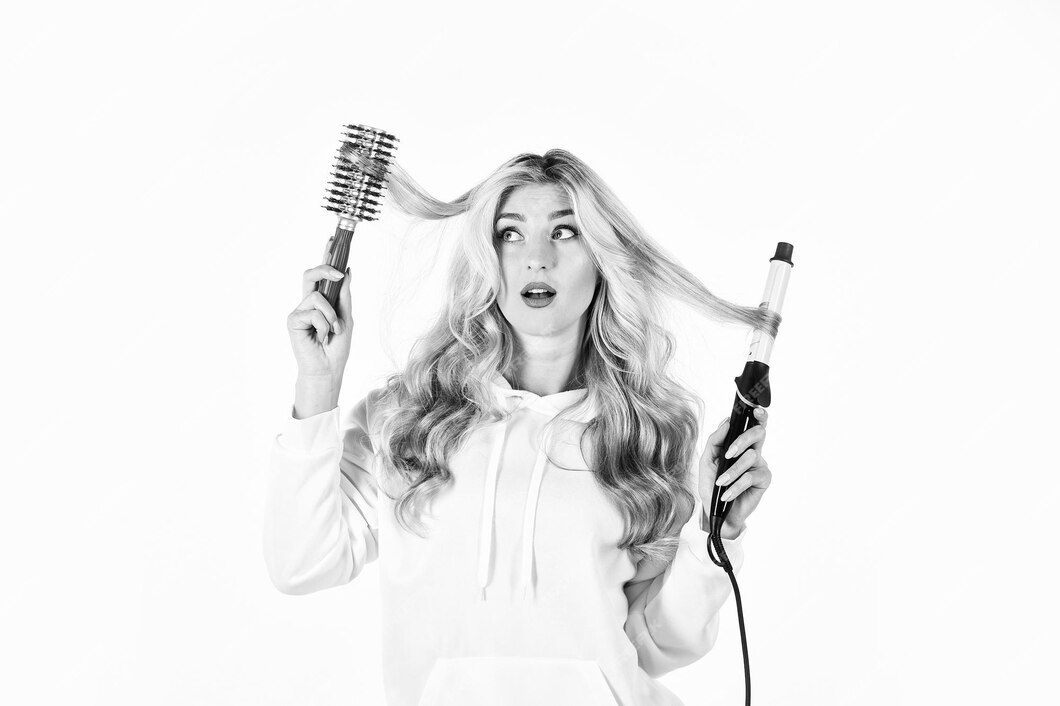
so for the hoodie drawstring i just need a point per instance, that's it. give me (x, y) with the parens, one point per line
(550, 406)
(489, 501)
(489, 498)
(530, 517)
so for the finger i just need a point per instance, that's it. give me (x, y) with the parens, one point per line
(757, 479)
(749, 459)
(317, 301)
(718, 435)
(305, 319)
(314, 274)
(752, 438)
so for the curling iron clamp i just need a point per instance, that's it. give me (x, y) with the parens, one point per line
(752, 391)
(356, 193)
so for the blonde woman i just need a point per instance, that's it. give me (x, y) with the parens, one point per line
(529, 483)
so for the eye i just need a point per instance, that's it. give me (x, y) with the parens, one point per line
(500, 234)
(573, 232)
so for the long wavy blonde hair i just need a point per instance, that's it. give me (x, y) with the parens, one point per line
(642, 440)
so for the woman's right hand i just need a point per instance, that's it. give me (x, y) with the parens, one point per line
(320, 336)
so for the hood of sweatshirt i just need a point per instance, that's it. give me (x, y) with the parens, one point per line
(511, 401)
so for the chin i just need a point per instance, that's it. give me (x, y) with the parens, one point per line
(538, 326)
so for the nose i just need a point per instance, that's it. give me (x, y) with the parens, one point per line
(540, 254)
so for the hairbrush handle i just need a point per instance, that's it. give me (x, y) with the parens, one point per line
(355, 194)
(338, 257)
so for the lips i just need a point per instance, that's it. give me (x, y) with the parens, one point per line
(535, 289)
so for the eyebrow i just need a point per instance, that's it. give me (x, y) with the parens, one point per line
(552, 216)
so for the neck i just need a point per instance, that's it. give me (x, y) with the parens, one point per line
(546, 365)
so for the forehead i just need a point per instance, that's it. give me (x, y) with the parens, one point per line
(536, 198)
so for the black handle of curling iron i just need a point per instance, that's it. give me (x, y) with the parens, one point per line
(753, 391)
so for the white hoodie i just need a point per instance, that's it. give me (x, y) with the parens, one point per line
(519, 594)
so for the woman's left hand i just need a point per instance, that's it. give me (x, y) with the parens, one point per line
(747, 478)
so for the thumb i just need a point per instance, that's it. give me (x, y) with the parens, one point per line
(345, 311)
(715, 440)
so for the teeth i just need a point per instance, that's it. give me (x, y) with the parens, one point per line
(537, 291)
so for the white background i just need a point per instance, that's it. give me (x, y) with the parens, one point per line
(160, 188)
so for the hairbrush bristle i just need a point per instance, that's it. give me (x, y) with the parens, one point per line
(360, 172)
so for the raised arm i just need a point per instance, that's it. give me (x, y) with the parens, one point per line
(321, 525)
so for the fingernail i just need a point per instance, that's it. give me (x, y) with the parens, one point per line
(723, 479)
(726, 495)
(731, 452)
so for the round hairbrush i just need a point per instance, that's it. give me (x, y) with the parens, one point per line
(360, 172)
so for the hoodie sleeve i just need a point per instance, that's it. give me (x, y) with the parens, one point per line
(321, 525)
(674, 616)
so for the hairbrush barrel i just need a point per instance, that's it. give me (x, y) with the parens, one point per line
(355, 192)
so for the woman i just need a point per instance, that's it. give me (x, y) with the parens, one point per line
(530, 481)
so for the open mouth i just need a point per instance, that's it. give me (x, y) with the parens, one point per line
(538, 291)
(538, 294)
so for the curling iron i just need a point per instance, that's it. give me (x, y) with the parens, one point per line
(360, 171)
(752, 391)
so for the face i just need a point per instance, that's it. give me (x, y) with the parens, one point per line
(537, 240)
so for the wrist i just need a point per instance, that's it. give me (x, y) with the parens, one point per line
(728, 530)
(314, 394)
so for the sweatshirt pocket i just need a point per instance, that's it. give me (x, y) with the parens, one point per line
(516, 681)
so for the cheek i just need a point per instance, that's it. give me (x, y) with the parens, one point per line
(587, 276)
(504, 268)
(509, 277)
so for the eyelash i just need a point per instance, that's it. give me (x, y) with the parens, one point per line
(500, 234)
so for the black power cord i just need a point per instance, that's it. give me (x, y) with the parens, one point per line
(722, 560)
